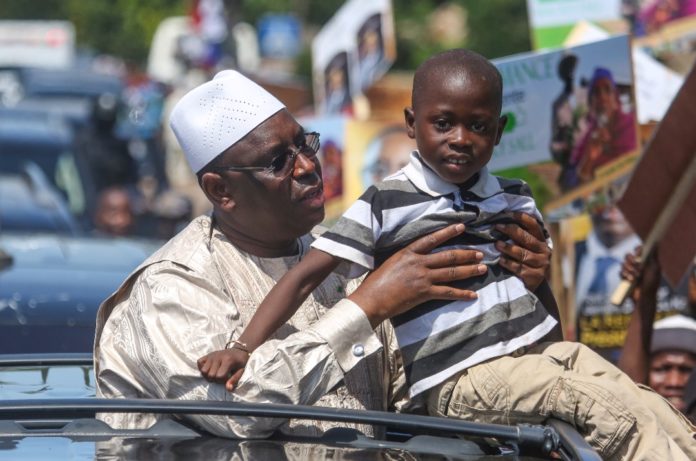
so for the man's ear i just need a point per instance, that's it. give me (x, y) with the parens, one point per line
(502, 121)
(217, 190)
(410, 122)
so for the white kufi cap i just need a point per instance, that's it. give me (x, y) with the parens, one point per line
(676, 332)
(215, 115)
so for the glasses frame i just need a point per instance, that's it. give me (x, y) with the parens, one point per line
(312, 142)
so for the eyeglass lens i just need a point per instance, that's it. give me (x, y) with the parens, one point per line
(284, 163)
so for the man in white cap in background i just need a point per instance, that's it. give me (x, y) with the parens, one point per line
(259, 170)
(672, 358)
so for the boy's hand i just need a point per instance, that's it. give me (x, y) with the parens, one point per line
(529, 256)
(224, 366)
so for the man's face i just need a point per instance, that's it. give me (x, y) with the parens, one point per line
(610, 225)
(604, 97)
(455, 122)
(669, 372)
(395, 151)
(269, 207)
(115, 216)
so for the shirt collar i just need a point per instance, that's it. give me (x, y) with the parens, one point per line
(429, 182)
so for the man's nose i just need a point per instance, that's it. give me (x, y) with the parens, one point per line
(675, 378)
(303, 165)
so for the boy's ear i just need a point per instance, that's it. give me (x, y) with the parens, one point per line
(217, 190)
(502, 121)
(410, 122)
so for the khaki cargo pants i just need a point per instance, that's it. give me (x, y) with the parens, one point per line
(568, 381)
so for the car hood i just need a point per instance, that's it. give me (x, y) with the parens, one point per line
(53, 285)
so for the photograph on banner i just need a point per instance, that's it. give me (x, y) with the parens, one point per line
(374, 150)
(652, 16)
(552, 20)
(655, 84)
(571, 109)
(354, 49)
(596, 265)
(332, 157)
(602, 237)
(674, 45)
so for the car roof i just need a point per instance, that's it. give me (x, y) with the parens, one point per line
(63, 82)
(33, 127)
(47, 406)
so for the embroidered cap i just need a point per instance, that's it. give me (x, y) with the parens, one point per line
(215, 115)
(676, 332)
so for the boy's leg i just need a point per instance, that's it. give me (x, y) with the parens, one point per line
(583, 360)
(532, 387)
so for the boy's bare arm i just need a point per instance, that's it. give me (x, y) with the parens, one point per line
(281, 303)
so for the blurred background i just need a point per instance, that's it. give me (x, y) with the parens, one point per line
(88, 162)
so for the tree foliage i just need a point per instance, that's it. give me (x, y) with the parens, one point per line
(122, 28)
(125, 27)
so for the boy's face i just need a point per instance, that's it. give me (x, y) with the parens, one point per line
(456, 124)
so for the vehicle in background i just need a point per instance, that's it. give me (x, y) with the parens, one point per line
(29, 203)
(51, 287)
(50, 142)
(47, 411)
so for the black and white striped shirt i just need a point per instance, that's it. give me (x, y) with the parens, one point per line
(441, 338)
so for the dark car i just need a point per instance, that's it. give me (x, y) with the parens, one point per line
(51, 287)
(50, 142)
(29, 203)
(47, 411)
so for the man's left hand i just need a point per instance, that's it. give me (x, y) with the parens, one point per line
(528, 256)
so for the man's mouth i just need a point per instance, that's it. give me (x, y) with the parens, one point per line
(457, 161)
(313, 196)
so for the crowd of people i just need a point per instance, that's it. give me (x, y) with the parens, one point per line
(455, 318)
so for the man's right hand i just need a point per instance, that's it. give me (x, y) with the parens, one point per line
(413, 276)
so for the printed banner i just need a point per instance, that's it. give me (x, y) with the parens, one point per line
(572, 107)
(332, 158)
(354, 49)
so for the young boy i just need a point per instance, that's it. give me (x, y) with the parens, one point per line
(475, 359)
(456, 122)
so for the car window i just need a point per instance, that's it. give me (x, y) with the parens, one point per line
(58, 164)
(67, 178)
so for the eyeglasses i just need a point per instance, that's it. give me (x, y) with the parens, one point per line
(283, 164)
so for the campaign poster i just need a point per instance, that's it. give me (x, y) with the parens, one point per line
(375, 149)
(571, 108)
(331, 156)
(595, 265)
(674, 45)
(652, 16)
(353, 50)
(552, 20)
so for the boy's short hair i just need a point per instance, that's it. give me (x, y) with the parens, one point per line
(459, 61)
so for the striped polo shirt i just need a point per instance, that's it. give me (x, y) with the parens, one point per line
(439, 338)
